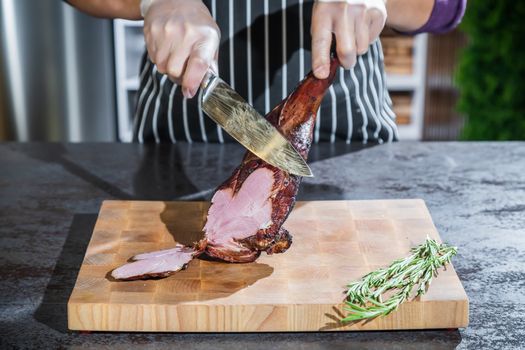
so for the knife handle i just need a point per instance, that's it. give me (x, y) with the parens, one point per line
(208, 83)
(208, 77)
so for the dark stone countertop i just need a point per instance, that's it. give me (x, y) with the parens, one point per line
(50, 195)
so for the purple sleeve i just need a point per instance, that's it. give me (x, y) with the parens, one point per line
(445, 16)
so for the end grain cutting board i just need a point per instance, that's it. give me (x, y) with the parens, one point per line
(335, 242)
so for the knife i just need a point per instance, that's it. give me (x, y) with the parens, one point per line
(228, 109)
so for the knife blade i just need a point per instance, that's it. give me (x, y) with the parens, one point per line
(228, 109)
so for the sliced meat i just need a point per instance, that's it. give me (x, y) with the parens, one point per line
(236, 215)
(248, 209)
(157, 264)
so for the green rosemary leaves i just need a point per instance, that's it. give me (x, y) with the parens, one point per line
(364, 298)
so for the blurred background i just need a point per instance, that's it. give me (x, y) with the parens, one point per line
(65, 76)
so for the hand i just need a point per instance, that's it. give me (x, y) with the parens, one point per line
(182, 39)
(355, 23)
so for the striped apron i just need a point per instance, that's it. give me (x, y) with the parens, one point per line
(264, 52)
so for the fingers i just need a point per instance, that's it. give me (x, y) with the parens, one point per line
(161, 57)
(200, 60)
(345, 37)
(321, 41)
(195, 70)
(376, 22)
(176, 62)
(355, 23)
(188, 64)
(215, 63)
(150, 44)
(362, 38)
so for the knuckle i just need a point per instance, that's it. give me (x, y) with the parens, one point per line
(320, 62)
(161, 68)
(175, 71)
(320, 58)
(212, 33)
(358, 11)
(348, 64)
(200, 62)
(160, 55)
(375, 13)
(347, 60)
(320, 41)
(175, 76)
(362, 50)
(188, 29)
(170, 27)
(151, 54)
(159, 60)
(359, 8)
(155, 28)
(345, 52)
(206, 36)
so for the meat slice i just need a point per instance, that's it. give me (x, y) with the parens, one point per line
(157, 264)
(248, 210)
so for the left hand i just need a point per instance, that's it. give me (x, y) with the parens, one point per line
(355, 23)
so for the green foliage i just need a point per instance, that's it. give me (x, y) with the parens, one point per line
(491, 72)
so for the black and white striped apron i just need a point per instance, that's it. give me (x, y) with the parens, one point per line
(264, 53)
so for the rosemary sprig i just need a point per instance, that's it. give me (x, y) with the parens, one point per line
(364, 298)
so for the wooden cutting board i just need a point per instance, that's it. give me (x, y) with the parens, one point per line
(335, 242)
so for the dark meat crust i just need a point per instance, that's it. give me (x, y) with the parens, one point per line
(282, 242)
(270, 244)
(295, 118)
(242, 255)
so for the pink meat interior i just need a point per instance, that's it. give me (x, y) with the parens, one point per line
(169, 260)
(243, 214)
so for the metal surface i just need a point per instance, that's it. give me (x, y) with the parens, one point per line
(228, 109)
(56, 73)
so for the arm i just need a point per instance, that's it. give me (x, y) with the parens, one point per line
(127, 9)
(408, 15)
(418, 16)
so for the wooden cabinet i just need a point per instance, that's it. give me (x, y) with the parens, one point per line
(405, 66)
(443, 122)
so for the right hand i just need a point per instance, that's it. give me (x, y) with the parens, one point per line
(182, 39)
